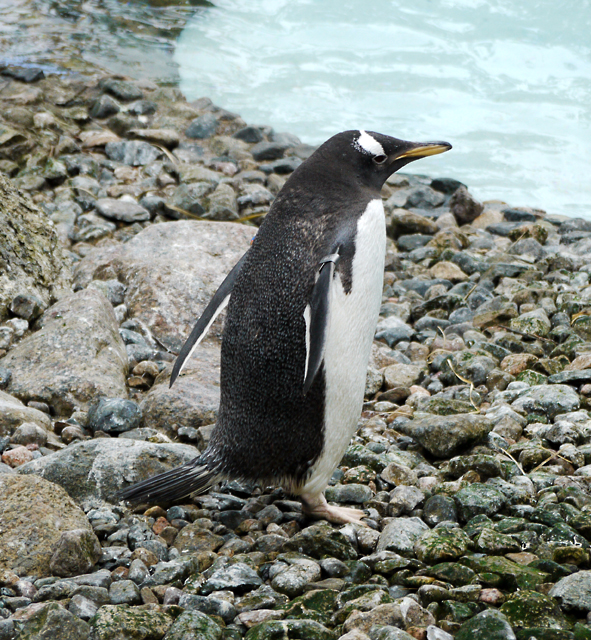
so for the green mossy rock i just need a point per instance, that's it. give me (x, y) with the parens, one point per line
(441, 545)
(147, 622)
(53, 621)
(193, 624)
(290, 630)
(512, 575)
(533, 609)
(454, 573)
(479, 499)
(315, 605)
(488, 625)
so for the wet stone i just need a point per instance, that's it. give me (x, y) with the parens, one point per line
(121, 209)
(121, 89)
(478, 499)
(238, 577)
(104, 107)
(132, 152)
(114, 415)
(124, 592)
(204, 126)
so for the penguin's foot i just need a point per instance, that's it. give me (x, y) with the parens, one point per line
(317, 507)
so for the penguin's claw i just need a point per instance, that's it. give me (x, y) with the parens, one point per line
(317, 507)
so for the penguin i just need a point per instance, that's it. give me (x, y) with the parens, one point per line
(302, 307)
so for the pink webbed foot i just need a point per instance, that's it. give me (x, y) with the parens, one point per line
(317, 507)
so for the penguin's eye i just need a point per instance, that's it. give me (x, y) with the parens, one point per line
(380, 159)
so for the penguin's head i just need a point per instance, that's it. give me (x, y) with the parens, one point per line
(374, 157)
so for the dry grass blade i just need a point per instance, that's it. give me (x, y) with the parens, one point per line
(534, 336)
(553, 454)
(194, 216)
(85, 191)
(168, 154)
(466, 381)
(469, 292)
(252, 216)
(506, 453)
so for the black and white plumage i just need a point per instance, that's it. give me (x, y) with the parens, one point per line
(303, 304)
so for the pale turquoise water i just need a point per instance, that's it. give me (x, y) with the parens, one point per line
(508, 83)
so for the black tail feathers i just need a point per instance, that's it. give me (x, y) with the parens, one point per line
(171, 485)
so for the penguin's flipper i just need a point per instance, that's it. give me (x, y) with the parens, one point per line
(212, 311)
(316, 316)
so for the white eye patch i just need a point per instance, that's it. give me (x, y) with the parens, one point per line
(367, 144)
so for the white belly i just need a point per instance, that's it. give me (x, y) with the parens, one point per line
(351, 327)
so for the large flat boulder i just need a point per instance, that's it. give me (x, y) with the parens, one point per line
(76, 356)
(194, 398)
(92, 472)
(171, 271)
(35, 513)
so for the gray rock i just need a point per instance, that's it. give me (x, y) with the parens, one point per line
(550, 399)
(478, 499)
(27, 306)
(132, 152)
(439, 508)
(114, 416)
(352, 493)
(193, 624)
(85, 327)
(464, 206)
(268, 150)
(192, 401)
(401, 534)
(221, 204)
(114, 622)
(202, 127)
(294, 579)
(124, 592)
(82, 607)
(209, 605)
(279, 629)
(402, 375)
(93, 471)
(487, 625)
(424, 198)
(238, 578)
(121, 89)
(319, 541)
(30, 245)
(120, 209)
(13, 413)
(574, 592)
(393, 330)
(188, 197)
(404, 499)
(441, 545)
(104, 107)
(35, 514)
(75, 553)
(389, 633)
(443, 436)
(171, 271)
(53, 621)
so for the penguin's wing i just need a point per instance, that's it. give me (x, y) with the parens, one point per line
(212, 311)
(316, 317)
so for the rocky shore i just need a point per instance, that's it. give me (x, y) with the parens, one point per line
(123, 208)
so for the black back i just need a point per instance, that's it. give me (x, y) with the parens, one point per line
(266, 427)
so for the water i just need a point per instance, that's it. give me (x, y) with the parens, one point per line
(135, 38)
(507, 83)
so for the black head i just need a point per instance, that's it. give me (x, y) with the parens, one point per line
(371, 157)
